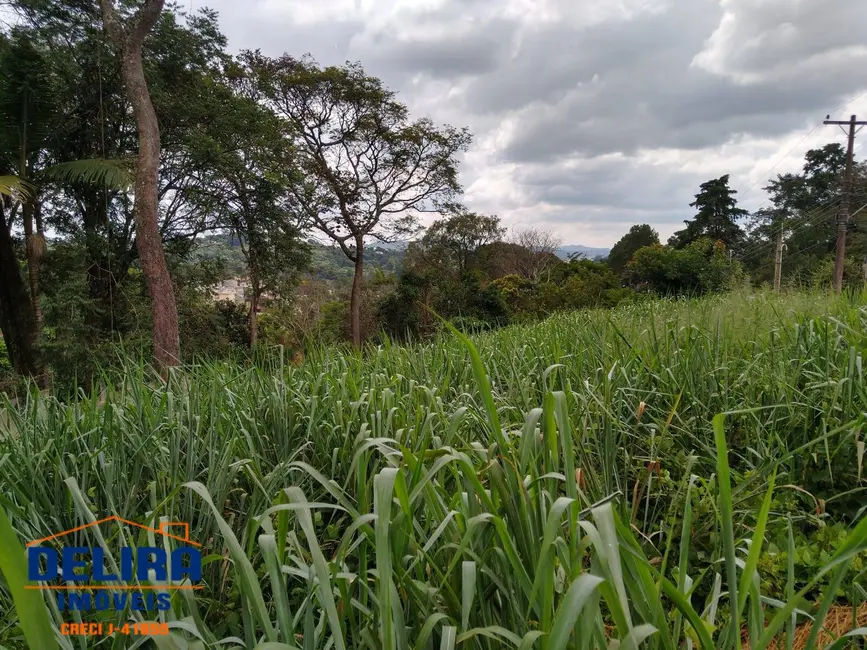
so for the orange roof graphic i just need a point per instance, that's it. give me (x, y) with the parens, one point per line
(159, 531)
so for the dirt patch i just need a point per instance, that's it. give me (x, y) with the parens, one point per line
(838, 622)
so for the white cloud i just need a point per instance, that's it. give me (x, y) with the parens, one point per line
(592, 116)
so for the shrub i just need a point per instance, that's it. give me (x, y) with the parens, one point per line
(699, 268)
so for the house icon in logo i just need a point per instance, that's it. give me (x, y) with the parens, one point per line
(139, 568)
(159, 531)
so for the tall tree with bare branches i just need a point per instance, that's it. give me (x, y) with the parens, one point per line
(538, 252)
(368, 169)
(128, 36)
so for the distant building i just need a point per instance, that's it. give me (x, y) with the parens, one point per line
(233, 290)
(237, 290)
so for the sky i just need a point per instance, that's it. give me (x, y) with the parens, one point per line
(590, 116)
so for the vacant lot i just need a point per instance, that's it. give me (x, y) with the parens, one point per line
(560, 488)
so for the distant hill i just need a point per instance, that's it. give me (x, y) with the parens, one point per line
(328, 262)
(563, 252)
(585, 251)
(389, 246)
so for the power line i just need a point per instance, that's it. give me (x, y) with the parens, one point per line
(803, 251)
(812, 218)
(798, 144)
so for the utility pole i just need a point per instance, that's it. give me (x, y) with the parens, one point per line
(778, 262)
(843, 215)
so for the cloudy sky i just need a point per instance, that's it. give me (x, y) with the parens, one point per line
(593, 115)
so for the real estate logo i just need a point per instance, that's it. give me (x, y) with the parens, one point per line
(136, 578)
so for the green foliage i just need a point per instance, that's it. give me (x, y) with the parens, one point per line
(804, 208)
(456, 239)
(639, 236)
(399, 312)
(578, 284)
(517, 293)
(561, 484)
(5, 366)
(334, 325)
(716, 218)
(33, 616)
(473, 300)
(96, 172)
(822, 274)
(703, 266)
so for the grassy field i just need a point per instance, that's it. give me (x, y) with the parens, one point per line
(669, 474)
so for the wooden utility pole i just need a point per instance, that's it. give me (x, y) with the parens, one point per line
(778, 262)
(843, 215)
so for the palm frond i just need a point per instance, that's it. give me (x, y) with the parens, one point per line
(112, 174)
(16, 187)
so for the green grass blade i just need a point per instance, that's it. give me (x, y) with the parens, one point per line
(447, 642)
(577, 596)
(29, 604)
(245, 572)
(726, 513)
(468, 592)
(756, 545)
(383, 489)
(320, 566)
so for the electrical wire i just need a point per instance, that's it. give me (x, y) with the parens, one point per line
(798, 224)
(803, 251)
(766, 174)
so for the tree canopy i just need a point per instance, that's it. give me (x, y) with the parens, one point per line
(716, 217)
(639, 236)
(298, 184)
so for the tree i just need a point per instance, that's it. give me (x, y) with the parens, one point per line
(368, 170)
(26, 94)
(166, 337)
(29, 86)
(717, 216)
(803, 209)
(246, 172)
(268, 236)
(457, 238)
(639, 236)
(16, 311)
(538, 253)
(698, 268)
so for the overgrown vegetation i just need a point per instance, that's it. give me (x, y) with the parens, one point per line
(631, 452)
(567, 485)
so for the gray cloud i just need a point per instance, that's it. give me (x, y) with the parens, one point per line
(779, 37)
(591, 118)
(451, 56)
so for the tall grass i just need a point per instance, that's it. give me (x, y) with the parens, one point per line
(595, 479)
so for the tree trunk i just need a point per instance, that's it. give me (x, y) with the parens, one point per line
(101, 253)
(254, 307)
(355, 296)
(166, 339)
(28, 208)
(35, 246)
(16, 315)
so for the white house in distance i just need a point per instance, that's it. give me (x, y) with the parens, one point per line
(233, 290)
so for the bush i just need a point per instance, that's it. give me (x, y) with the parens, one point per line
(518, 295)
(399, 312)
(699, 268)
(579, 284)
(822, 276)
